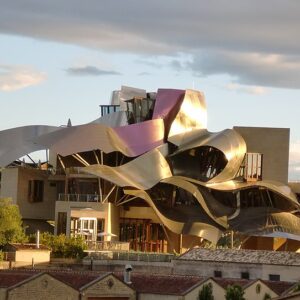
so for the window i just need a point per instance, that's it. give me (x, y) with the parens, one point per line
(253, 166)
(218, 274)
(245, 275)
(61, 223)
(108, 109)
(274, 277)
(35, 190)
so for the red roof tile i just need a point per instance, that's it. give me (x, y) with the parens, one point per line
(162, 284)
(75, 279)
(278, 286)
(225, 282)
(8, 279)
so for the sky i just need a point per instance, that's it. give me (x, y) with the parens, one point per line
(61, 59)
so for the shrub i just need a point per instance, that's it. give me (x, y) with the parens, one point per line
(206, 293)
(11, 229)
(234, 292)
(61, 245)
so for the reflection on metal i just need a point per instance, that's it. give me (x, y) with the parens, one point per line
(114, 119)
(227, 141)
(238, 207)
(203, 230)
(170, 159)
(92, 136)
(197, 194)
(17, 142)
(142, 173)
(191, 115)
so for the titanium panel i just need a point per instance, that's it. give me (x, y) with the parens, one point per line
(115, 119)
(131, 140)
(199, 229)
(179, 182)
(192, 114)
(142, 173)
(17, 142)
(228, 141)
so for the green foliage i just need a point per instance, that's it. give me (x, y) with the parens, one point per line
(297, 288)
(11, 229)
(234, 292)
(1, 256)
(267, 296)
(62, 246)
(206, 292)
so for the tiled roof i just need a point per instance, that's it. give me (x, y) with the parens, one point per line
(225, 282)
(75, 279)
(141, 282)
(10, 278)
(18, 246)
(276, 286)
(279, 286)
(162, 284)
(243, 256)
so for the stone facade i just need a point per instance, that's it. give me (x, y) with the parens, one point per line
(42, 287)
(108, 286)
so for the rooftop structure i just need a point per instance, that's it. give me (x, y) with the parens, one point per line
(149, 172)
(243, 256)
(27, 284)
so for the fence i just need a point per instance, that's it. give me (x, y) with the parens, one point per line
(132, 256)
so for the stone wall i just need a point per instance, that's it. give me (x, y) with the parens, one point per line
(108, 287)
(43, 287)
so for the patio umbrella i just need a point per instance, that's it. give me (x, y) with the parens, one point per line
(106, 234)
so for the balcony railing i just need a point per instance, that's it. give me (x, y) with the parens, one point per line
(79, 197)
(130, 256)
(107, 246)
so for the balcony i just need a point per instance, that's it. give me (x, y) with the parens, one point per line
(251, 169)
(107, 246)
(79, 197)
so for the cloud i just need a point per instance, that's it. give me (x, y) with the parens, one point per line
(89, 71)
(270, 70)
(177, 65)
(144, 74)
(168, 26)
(17, 77)
(253, 90)
(252, 43)
(150, 63)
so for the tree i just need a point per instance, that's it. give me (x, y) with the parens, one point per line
(297, 288)
(267, 296)
(11, 229)
(206, 293)
(234, 292)
(61, 245)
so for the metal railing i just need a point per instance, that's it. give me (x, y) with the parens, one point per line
(107, 246)
(79, 197)
(132, 256)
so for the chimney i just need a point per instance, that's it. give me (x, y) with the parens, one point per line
(38, 239)
(127, 273)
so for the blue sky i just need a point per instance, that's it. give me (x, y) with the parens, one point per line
(61, 59)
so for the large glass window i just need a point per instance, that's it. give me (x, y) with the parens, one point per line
(35, 190)
(143, 235)
(253, 166)
(61, 223)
